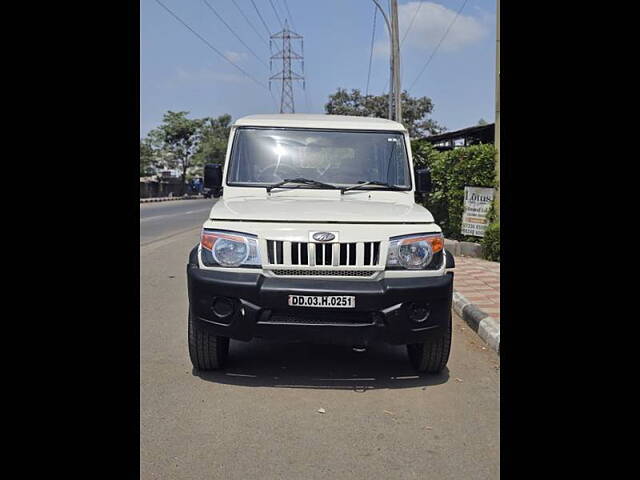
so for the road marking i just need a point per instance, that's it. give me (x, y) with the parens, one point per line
(158, 242)
(146, 219)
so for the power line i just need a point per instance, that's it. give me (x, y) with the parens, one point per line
(249, 22)
(211, 46)
(373, 36)
(439, 43)
(276, 12)
(411, 24)
(415, 15)
(286, 6)
(234, 33)
(261, 19)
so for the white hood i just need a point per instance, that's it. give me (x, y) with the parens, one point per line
(360, 208)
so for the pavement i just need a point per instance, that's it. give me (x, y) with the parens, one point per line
(259, 417)
(479, 281)
(476, 297)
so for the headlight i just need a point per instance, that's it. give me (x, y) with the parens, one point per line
(229, 249)
(414, 252)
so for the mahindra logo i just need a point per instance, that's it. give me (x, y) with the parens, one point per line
(323, 236)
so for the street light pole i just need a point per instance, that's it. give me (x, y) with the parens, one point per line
(395, 45)
(392, 62)
(497, 121)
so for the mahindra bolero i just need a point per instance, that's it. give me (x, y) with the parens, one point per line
(316, 236)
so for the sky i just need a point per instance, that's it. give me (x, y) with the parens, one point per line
(179, 72)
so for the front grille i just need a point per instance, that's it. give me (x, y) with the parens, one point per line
(322, 318)
(328, 273)
(325, 254)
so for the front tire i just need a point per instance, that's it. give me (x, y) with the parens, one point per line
(207, 351)
(432, 355)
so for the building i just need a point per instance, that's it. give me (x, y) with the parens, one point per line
(464, 137)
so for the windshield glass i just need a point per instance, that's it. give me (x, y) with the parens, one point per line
(262, 156)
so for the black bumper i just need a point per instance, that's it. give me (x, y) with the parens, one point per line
(257, 306)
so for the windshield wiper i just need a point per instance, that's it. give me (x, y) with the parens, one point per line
(305, 181)
(361, 184)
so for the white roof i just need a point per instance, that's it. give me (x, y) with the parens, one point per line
(305, 120)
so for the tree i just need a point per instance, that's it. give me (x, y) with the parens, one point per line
(213, 142)
(179, 138)
(414, 110)
(147, 158)
(482, 121)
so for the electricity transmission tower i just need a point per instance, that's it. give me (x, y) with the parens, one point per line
(288, 55)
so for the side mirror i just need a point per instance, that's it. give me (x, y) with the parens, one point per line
(423, 181)
(213, 176)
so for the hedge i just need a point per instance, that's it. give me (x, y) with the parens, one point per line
(451, 171)
(491, 242)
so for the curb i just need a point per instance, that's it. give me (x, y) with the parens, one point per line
(167, 199)
(464, 249)
(480, 322)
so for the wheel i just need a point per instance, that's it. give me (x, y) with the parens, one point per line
(432, 355)
(207, 352)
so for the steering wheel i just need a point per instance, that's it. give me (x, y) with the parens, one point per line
(268, 174)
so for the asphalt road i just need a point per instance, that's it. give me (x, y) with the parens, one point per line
(259, 418)
(161, 219)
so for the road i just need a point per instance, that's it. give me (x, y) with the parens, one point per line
(161, 219)
(259, 418)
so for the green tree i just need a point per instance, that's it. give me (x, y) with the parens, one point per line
(213, 142)
(179, 139)
(147, 158)
(482, 121)
(415, 110)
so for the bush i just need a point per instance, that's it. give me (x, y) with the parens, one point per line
(451, 171)
(491, 242)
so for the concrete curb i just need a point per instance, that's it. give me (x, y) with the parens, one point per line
(167, 199)
(482, 323)
(464, 249)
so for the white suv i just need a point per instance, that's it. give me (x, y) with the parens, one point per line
(317, 237)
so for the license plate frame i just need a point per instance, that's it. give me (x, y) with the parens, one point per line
(322, 301)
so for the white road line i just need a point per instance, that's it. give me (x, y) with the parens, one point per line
(146, 219)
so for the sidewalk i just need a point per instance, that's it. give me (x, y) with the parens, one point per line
(476, 287)
(478, 281)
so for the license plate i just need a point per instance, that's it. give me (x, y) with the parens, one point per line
(325, 301)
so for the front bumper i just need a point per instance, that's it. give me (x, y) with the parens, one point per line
(258, 307)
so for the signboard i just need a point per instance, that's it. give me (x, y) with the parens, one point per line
(477, 202)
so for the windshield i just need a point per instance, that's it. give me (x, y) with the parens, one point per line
(263, 156)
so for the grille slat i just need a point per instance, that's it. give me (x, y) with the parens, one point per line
(324, 254)
(322, 318)
(327, 273)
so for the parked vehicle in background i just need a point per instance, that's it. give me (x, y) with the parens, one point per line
(317, 237)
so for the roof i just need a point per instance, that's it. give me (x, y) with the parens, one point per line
(483, 130)
(305, 120)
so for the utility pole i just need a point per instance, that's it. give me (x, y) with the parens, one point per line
(395, 105)
(497, 122)
(287, 76)
(395, 45)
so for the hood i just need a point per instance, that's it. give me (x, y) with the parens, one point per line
(319, 210)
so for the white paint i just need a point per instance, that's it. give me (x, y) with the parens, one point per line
(155, 217)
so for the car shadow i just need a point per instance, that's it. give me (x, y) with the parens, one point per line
(270, 363)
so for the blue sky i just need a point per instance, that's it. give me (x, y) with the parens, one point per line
(179, 72)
